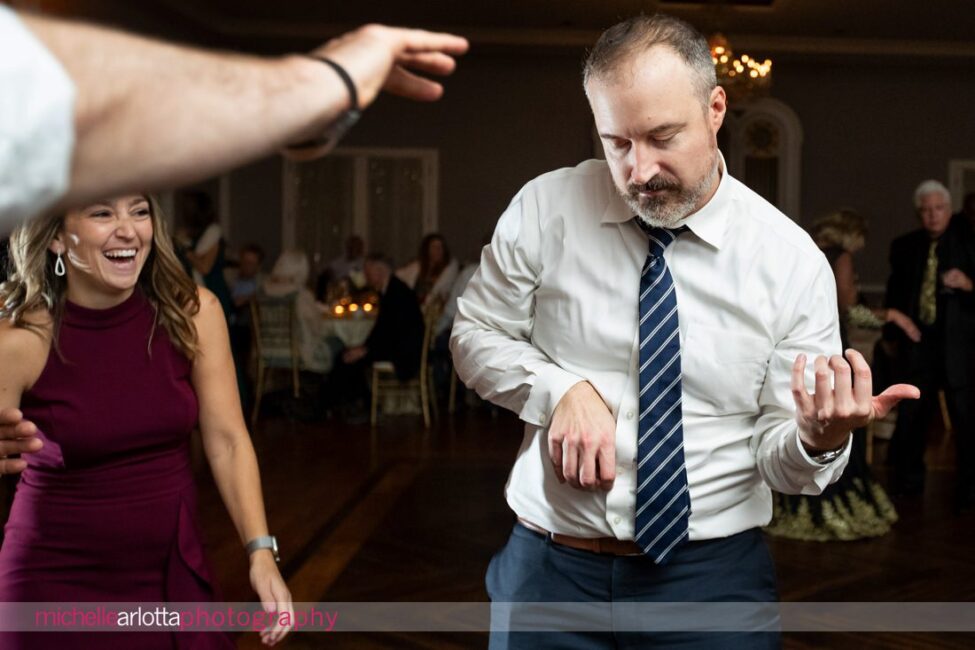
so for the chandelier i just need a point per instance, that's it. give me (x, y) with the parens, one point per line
(743, 78)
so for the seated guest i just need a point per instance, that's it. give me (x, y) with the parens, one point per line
(249, 276)
(931, 281)
(433, 273)
(244, 287)
(397, 336)
(342, 267)
(290, 277)
(116, 356)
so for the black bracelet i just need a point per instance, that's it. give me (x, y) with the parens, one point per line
(349, 84)
(327, 141)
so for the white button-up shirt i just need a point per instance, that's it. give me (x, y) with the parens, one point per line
(555, 302)
(36, 124)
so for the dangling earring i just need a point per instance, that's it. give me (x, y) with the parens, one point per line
(59, 267)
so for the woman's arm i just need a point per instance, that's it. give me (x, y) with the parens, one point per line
(846, 286)
(231, 455)
(204, 256)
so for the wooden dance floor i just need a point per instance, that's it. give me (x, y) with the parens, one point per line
(400, 514)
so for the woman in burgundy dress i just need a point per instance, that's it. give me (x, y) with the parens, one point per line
(112, 356)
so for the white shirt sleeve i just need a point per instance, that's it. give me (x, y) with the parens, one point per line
(782, 461)
(210, 238)
(36, 124)
(491, 341)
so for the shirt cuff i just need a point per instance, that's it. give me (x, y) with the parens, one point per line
(797, 453)
(551, 383)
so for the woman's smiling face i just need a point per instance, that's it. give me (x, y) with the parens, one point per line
(105, 246)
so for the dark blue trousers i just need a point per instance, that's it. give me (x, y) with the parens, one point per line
(532, 568)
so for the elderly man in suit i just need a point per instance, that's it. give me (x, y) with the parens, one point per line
(931, 281)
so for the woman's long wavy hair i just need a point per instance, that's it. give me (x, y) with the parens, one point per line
(429, 269)
(33, 285)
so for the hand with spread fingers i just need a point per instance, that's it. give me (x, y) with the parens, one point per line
(378, 57)
(837, 407)
(17, 436)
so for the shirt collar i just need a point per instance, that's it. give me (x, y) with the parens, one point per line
(709, 223)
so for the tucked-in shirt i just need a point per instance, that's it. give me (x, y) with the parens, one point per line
(36, 124)
(555, 302)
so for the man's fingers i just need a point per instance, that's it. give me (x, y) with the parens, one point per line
(862, 378)
(804, 401)
(419, 40)
(843, 403)
(10, 416)
(20, 445)
(436, 63)
(606, 458)
(570, 463)
(889, 398)
(823, 399)
(587, 467)
(555, 453)
(12, 466)
(404, 83)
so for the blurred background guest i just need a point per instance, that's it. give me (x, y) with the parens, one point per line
(855, 506)
(433, 272)
(202, 247)
(348, 264)
(397, 336)
(289, 277)
(249, 275)
(245, 285)
(931, 281)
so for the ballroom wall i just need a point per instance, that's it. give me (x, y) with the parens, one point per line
(872, 131)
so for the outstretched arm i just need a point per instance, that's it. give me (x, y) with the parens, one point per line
(150, 114)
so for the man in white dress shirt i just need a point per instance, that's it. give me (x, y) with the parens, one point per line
(548, 328)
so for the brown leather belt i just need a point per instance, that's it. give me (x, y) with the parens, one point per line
(601, 545)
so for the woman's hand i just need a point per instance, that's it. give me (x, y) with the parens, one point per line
(273, 592)
(901, 320)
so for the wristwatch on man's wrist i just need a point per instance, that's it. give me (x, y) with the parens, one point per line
(267, 541)
(824, 457)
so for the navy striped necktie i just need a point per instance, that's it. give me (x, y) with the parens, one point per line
(663, 504)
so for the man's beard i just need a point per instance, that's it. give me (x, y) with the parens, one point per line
(670, 208)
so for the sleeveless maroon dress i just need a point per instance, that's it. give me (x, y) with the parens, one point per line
(107, 510)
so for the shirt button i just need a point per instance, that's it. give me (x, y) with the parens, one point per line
(541, 419)
(629, 415)
(620, 468)
(616, 520)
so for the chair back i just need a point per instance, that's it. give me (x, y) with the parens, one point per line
(275, 325)
(431, 315)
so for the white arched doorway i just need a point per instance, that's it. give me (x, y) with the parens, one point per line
(762, 144)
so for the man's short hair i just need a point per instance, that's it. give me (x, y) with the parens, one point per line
(255, 249)
(638, 34)
(380, 258)
(930, 187)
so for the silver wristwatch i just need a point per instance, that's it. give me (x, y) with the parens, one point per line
(268, 541)
(827, 457)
